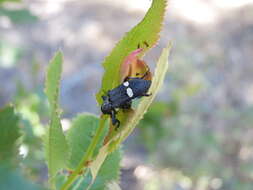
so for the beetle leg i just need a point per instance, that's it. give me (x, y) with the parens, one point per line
(127, 78)
(127, 105)
(117, 124)
(115, 121)
(147, 94)
(145, 74)
(146, 43)
(131, 78)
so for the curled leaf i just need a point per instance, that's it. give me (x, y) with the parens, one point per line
(133, 66)
(144, 35)
(134, 118)
(157, 81)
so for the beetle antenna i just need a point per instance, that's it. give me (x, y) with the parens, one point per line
(146, 43)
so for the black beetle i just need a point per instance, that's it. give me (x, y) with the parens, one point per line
(121, 97)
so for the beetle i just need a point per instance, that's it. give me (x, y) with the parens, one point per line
(121, 96)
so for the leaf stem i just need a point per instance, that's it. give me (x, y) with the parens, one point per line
(87, 155)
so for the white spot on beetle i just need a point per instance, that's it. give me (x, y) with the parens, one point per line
(126, 83)
(130, 92)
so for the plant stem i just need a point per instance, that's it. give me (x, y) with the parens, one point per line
(87, 155)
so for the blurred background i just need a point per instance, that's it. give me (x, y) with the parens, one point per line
(198, 133)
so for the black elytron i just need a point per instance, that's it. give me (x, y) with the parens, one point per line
(121, 97)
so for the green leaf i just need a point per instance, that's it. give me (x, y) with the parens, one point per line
(10, 177)
(79, 137)
(145, 34)
(55, 142)
(98, 162)
(113, 186)
(9, 134)
(88, 156)
(147, 31)
(109, 171)
(6, 1)
(13, 180)
(160, 72)
(159, 75)
(53, 80)
(18, 16)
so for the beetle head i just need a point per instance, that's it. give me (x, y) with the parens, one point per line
(106, 107)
